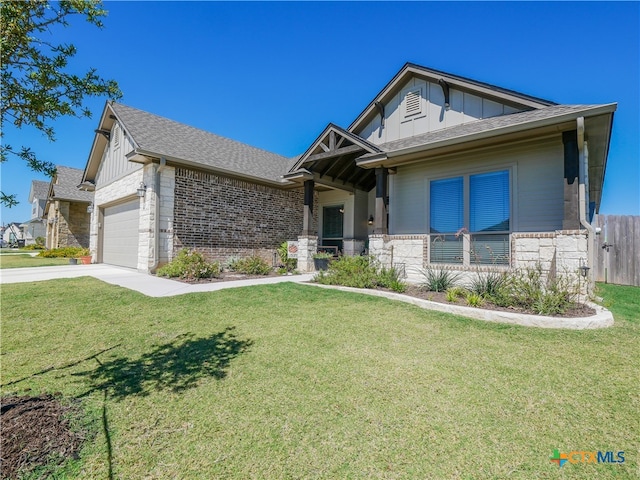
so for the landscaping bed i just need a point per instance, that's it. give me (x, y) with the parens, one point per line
(226, 277)
(575, 311)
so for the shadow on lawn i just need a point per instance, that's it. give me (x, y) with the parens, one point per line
(175, 366)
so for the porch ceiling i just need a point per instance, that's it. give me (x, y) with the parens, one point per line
(331, 161)
(341, 169)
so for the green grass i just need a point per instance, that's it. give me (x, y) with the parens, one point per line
(292, 381)
(21, 261)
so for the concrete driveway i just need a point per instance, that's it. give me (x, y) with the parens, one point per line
(149, 285)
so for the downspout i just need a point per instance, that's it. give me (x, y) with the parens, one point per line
(156, 221)
(583, 168)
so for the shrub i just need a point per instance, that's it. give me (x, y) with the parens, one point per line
(65, 252)
(190, 265)
(361, 272)
(40, 241)
(454, 293)
(250, 266)
(489, 284)
(33, 246)
(474, 299)
(357, 272)
(528, 290)
(438, 279)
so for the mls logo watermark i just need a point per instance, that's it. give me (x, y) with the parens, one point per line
(581, 456)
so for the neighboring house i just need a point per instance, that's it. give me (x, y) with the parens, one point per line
(458, 173)
(35, 226)
(68, 221)
(161, 186)
(437, 170)
(11, 233)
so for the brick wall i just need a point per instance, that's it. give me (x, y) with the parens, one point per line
(223, 217)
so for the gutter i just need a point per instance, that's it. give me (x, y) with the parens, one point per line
(138, 155)
(583, 169)
(156, 222)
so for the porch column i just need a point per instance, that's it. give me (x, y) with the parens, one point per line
(380, 226)
(307, 217)
(308, 241)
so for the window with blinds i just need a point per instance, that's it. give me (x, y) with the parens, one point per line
(475, 205)
(446, 212)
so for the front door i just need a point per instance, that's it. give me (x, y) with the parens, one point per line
(332, 226)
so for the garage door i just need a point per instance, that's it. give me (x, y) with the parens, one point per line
(120, 234)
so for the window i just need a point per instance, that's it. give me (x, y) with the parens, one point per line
(470, 217)
(447, 218)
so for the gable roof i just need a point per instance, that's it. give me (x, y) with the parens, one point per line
(489, 127)
(64, 185)
(39, 190)
(155, 137)
(483, 89)
(319, 142)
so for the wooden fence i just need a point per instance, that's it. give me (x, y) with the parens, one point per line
(620, 262)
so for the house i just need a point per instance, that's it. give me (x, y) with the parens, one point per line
(441, 170)
(11, 233)
(437, 170)
(35, 226)
(66, 210)
(161, 186)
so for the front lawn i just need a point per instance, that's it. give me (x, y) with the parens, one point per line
(26, 260)
(293, 381)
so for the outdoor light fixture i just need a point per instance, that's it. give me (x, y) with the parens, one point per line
(90, 208)
(370, 221)
(141, 190)
(584, 269)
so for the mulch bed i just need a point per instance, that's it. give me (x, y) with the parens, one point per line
(578, 309)
(36, 432)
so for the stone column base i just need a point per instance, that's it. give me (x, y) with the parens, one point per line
(307, 248)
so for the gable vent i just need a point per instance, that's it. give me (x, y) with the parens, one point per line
(413, 102)
(115, 135)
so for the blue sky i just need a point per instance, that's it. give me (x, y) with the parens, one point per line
(274, 74)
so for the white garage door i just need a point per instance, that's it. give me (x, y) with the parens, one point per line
(120, 234)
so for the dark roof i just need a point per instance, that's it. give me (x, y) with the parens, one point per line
(39, 189)
(66, 187)
(484, 125)
(153, 134)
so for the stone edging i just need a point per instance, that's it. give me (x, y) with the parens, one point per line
(602, 319)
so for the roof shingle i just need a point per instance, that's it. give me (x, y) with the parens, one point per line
(165, 137)
(66, 187)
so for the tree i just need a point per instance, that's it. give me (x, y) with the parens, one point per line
(35, 89)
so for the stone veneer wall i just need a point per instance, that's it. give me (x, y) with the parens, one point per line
(75, 231)
(124, 189)
(224, 217)
(561, 252)
(71, 225)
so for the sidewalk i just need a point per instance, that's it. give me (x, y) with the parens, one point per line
(149, 285)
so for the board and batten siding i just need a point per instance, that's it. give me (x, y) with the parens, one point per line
(464, 107)
(114, 163)
(537, 185)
